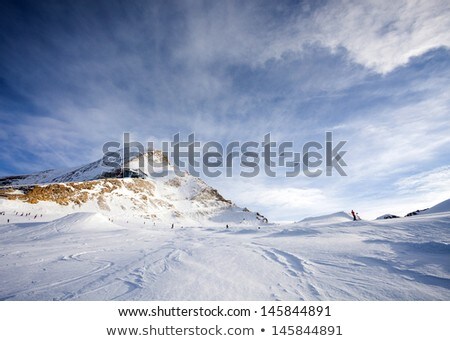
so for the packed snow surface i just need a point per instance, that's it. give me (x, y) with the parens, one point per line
(87, 256)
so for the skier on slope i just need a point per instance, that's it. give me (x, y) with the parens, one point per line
(354, 215)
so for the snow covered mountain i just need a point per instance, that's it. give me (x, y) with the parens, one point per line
(92, 171)
(134, 196)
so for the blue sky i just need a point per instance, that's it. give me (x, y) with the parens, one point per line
(75, 74)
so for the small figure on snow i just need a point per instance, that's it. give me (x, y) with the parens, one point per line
(354, 215)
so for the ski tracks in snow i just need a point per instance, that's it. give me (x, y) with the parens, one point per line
(298, 282)
(99, 266)
(125, 281)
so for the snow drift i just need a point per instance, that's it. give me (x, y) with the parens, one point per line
(338, 217)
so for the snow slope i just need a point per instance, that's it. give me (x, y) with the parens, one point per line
(85, 256)
(338, 217)
(442, 207)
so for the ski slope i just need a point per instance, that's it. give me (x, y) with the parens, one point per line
(86, 256)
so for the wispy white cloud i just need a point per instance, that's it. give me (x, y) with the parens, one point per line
(286, 200)
(381, 35)
(435, 182)
(401, 139)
